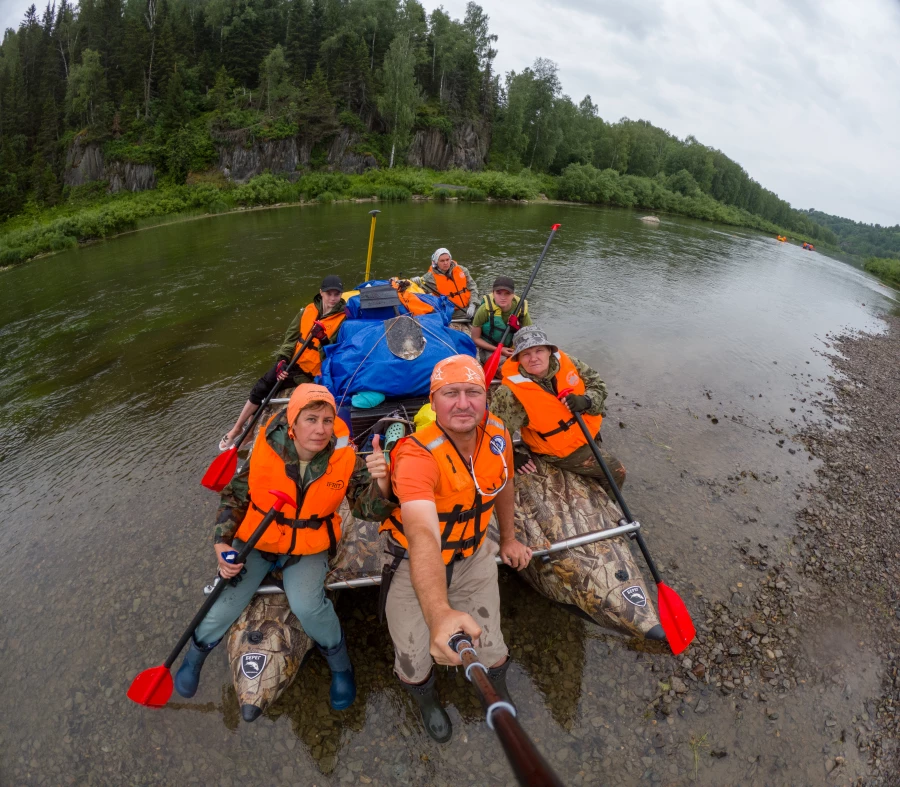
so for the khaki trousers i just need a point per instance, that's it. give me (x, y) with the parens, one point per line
(473, 589)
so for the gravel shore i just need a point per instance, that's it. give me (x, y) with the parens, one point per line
(822, 624)
(850, 531)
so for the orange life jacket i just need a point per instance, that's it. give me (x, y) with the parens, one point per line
(311, 361)
(411, 301)
(551, 428)
(453, 285)
(317, 525)
(463, 512)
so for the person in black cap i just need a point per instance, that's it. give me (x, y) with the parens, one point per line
(492, 316)
(323, 317)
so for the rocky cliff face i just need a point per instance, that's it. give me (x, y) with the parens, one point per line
(85, 164)
(341, 158)
(240, 162)
(467, 148)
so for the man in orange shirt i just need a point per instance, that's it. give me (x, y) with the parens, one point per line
(440, 487)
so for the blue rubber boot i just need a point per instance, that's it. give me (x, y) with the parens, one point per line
(343, 682)
(188, 676)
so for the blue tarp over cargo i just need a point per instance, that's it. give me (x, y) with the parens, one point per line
(361, 360)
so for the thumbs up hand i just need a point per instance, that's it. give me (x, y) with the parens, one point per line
(377, 465)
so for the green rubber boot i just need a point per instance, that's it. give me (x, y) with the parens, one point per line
(434, 717)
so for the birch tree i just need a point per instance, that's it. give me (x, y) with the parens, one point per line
(402, 95)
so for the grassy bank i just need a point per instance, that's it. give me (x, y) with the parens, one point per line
(886, 269)
(89, 213)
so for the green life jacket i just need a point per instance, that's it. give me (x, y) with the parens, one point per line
(493, 329)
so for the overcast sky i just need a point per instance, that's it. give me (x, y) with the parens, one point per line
(803, 94)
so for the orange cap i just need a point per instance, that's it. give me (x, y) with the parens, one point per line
(302, 396)
(457, 369)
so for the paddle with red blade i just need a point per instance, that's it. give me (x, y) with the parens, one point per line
(153, 686)
(221, 470)
(493, 363)
(673, 615)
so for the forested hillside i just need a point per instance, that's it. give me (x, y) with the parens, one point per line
(854, 237)
(172, 85)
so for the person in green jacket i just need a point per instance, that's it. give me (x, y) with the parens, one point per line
(492, 317)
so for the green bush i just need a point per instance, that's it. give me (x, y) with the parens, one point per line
(502, 185)
(277, 128)
(218, 206)
(393, 193)
(13, 256)
(137, 153)
(472, 195)
(440, 122)
(416, 181)
(586, 183)
(57, 241)
(442, 194)
(352, 121)
(266, 189)
(315, 183)
(886, 269)
(326, 198)
(362, 191)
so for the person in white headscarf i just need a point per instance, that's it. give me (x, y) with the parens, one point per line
(448, 278)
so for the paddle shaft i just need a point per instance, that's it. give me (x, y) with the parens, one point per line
(373, 214)
(521, 304)
(618, 495)
(220, 586)
(527, 763)
(259, 410)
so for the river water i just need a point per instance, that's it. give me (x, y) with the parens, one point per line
(123, 362)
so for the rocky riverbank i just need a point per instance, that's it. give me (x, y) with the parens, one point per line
(823, 620)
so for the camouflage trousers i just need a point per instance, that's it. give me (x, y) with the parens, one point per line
(462, 327)
(582, 462)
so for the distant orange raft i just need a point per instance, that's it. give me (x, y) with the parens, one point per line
(781, 238)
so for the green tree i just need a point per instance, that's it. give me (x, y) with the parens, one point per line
(402, 95)
(87, 89)
(176, 106)
(221, 92)
(477, 23)
(316, 113)
(275, 81)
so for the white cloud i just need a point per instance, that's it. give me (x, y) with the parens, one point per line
(803, 94)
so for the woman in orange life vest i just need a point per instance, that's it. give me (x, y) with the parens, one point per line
(306, 452)
(327, 308)
(532, 379)
(448, 278)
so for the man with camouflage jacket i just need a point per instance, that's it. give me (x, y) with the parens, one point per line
(533, 378)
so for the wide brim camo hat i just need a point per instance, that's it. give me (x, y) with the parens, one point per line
(532, 336)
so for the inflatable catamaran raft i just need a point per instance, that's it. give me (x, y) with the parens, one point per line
(579, 536)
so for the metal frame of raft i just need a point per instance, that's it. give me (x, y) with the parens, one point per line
(556, 546)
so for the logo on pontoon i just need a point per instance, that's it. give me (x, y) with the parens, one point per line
(498, 445)
(635, 595)
(335, 484)
(252, 664)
